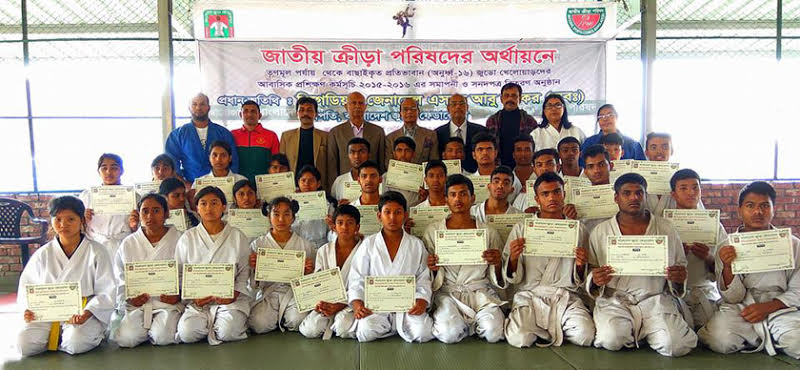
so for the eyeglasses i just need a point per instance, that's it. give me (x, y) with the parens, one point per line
(554, 106)
(607, 115)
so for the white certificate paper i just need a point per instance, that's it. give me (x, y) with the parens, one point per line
(54, 302)
(152, 277)
(275, 185)
(390, 293)
(278, 265)
(223, 183)
(503, 223)
(656, 173)
(695, 225)
(352, 190)
(178, 219)
(112, 199)
(322, 286)
(404, 175)
(424, 216)
(369, 220)
(762, 251)
(460, 247)
(453, 167)
(595, 202)
(481, 185)
(313, 205)
(208, 280)
(551, 238)
(637, 255)
(249, 221)
(574, 182)
(144, 188)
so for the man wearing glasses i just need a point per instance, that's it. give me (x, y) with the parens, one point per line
(458, 108)
(427, 146)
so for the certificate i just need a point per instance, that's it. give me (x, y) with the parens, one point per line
(322, 286)
(275, 185)
(152, 277)
(54, 302)
(208, 280)
(481, 185)
(144, 188)
(637, 255)
(177, 218)
(278, 265)
(595, 202)
(251, 222)
(369, 220)
(618, 168)
(223, 183)
(424, 216)
(530, 194)
(112, 199)
(460, 247)
(390, 293)
(352, 190)
(313, 205)
(453, 167)
(551, 238)
(695, 225)
(404, 175)
(503, 223)
(574, 182)
(656, 173)
(762, 251)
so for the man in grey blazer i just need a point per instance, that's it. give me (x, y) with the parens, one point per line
(356, 126)
(425, 139)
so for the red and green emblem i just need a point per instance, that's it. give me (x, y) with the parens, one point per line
(585, 21)
(218, 24)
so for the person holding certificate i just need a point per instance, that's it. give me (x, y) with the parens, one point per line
(597, 168)
(524, 147)
(146, 316)
(500, 188)
(547, 286)
(403, 151)
(108, 229)
(545, 160)
(244, 195)
(218, 319)
(435, 178)
(174, 191)
(358, 150)
(658, 147)
(472, 286)
(336, 317)
(274, 305)
(220, 158)
(163, 167)
(760, 310)
(71, 257)
(391, 252)
(630, 309)
(702, 295)
(454, 149)
(484, 150)
(569, 150)
(316, 231)
(369, 180)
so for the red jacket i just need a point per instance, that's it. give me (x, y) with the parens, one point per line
(255, 149)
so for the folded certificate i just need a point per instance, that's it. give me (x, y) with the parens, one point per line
(639, 255)
(352, 190)
(249, 221)
(530, 194)
(369, 220)
(278, 265)
(656, 173)
(54, 302)
(762, 251)
(208, 280)
(481, 185)
(275, 185)
(178, 219)
(695, 225)
(460, 247)
(574, 182)
(390, 293)
(223, 183)
(595, 202)
(152, 277)
(424, 216)
(112, 199)
(503, 223)
(145, 188)
(313, 205)
(453, 167)
(551, 238)
(322, 286)
(404, 175)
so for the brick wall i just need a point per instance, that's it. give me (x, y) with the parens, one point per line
(715, 196)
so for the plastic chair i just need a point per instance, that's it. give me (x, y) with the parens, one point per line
(11, 211)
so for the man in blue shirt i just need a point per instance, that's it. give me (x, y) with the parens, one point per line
(607, 120)
(189, 144)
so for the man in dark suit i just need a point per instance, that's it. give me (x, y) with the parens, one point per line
(356, 126)
(427, 147)
(458, 126)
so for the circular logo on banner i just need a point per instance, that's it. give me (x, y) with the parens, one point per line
(585, 21)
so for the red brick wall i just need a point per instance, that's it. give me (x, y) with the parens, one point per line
(715, 196)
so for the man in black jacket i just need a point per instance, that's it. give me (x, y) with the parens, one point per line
(458, 108)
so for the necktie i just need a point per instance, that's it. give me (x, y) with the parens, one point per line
(458, 133)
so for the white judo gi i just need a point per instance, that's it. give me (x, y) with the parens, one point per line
(372, 259)
(108, 230)
(90, 265)
(317, 324)
(218, 323)
(702, 295)
(274, 305)
(548, 137)
(154, 320)
(547, 304)
(632, 308)
(728, 332)
(317, 232)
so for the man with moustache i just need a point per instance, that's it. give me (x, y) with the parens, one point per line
(508, 123)
(459, 127)
(339, 136)
(427, 146)
(305, 145)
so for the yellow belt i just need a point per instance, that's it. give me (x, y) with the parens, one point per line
(55, 331)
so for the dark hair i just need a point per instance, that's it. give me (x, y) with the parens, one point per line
(347, 210)
(454, 139)
(369, 164)
(306, 100)
(483, 137)
(526, 138)
(392, 196)
(434, 163)
(504, 170)
(281, 158)
(110, 156)
(657, 135)
(163, 159)
(242, 183)
(757, 187)
(308, 169)
(221, 144)
(682, 174)
(405, 140)
(629, 178)
(251, 102)
(594, 150)
(459, 179)
(609, 106)
(549, 151)
(67, 202)
(412, 99)
(210, 190)
(157, 197)
(266, 208)
(612, 139)
(547, 177)
(511, 85)
(568, 140)
(359, 140)
(169, 185)
(565, 123)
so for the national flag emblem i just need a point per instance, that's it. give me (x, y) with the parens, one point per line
(218, 24)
